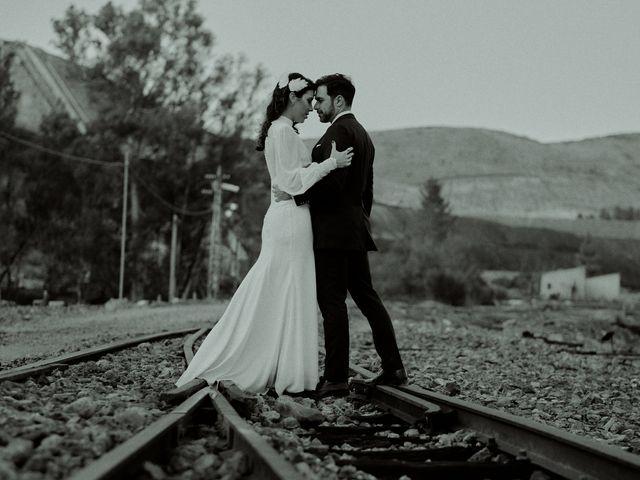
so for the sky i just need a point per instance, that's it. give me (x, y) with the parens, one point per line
(549, 70)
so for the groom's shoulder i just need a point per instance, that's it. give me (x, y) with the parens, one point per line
(354, 127)
(347, 123)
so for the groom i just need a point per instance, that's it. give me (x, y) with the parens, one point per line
(340, 206)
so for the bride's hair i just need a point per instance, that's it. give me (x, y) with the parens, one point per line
(278, 104)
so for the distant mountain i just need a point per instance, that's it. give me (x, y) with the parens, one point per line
(488, 173)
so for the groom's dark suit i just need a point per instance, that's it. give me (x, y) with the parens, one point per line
(340, 207)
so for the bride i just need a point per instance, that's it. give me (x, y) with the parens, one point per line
(268, 335)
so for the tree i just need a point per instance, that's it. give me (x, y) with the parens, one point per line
(604, 214)
(439, 220)
(182, 110)
(588, 256)
(13, 216)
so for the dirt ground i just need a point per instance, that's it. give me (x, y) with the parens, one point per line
(28, 333)
(31, 333)
(36, 332)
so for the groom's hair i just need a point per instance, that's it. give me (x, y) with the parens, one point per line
(338, 84)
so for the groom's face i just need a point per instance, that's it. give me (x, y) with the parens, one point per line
(324, 105)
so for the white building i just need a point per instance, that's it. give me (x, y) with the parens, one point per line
(573, 284)
(603, 287)
(566, 283)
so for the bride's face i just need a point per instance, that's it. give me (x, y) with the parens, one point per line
(301, 106)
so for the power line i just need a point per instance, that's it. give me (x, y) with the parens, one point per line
(91, 161)
(65, 156)
(170, 206)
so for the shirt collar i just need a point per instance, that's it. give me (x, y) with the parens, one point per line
(286, 120)
(346, 112)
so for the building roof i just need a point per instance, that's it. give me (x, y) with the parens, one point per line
(46, 81)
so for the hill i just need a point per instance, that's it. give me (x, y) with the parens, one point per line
(486, 173)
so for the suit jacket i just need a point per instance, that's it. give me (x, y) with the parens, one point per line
(341, 202)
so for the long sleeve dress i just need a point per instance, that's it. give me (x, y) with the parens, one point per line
(268, 335)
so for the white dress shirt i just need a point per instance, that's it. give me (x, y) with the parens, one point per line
(340, 114)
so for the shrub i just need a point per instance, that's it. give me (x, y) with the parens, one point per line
(447, 287)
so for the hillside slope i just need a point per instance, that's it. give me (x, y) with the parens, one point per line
(485, 172)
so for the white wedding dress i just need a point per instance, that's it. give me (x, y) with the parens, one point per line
(268, 335)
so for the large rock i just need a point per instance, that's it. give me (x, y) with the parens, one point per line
(482, 456)
(133, 417)
(83, 406)
(206, 463)
(154, 471)
(18, 450)
(7, 471)
(290, 423)
(52, 442)
(185, 456)
(270, 416)
(287, 407)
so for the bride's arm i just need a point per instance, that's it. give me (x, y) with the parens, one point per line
(292, 177)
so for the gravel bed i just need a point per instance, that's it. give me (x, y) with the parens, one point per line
(28, 334)
(478, 354)
(55, 424)
(201, 455)
(276, 420)
(279, 421)
(481, 356)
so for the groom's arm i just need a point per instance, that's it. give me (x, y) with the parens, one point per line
(301, 199)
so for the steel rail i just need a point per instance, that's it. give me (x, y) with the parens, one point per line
(562, 453)
(47, 365)
(188, 344)
(150, 443)
(267, 463)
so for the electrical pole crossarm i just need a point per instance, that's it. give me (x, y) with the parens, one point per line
(215, 230)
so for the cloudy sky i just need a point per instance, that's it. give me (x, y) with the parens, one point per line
(550, 70)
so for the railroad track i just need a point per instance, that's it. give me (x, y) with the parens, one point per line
(411, 431)
(382, 431)
(525, 445)
(57, 414)
(61, 362)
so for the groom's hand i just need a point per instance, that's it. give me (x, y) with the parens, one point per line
(279, 195)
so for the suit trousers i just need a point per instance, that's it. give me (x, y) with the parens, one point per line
(339, 272)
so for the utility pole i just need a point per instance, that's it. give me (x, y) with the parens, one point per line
(125, 188)
(216, 201)
(216, 235)
(172, 260)
(215, 231)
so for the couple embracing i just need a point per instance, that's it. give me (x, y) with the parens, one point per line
(315, 239)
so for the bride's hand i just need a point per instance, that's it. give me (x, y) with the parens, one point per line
(343, 158)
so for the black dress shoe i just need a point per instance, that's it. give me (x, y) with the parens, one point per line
(388, 377)
(303, 394)
(326, 388)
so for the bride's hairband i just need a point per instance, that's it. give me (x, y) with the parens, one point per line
(295, 85)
